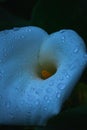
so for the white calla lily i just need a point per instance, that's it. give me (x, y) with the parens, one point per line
(37, 73)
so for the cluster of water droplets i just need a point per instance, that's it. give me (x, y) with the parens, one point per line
(63, 39)
(67, 75)
(47, 99)
(58, 93)
(24, 30)
(28, 29)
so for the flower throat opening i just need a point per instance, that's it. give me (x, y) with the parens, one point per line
(46, 71)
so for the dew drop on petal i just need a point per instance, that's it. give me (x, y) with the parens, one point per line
(62, 86)
(22, 36)
(58, 94)
(45, 108)
(51, 83)
(48, 101)
(48, 90)
(84, 61)
(7, 104)
(62, 31)
(76, 50)
(28, 114)
(72, 67)
(29, 30)
(46, 97)
(11, 115)
(37, 102)
(61, 78)
(5, 52)
(63, 39)
(67, 75)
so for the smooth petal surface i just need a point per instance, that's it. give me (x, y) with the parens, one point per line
(26, 98)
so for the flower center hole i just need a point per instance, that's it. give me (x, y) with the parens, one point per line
(47, 71)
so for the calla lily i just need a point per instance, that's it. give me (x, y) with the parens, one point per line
(37, 73)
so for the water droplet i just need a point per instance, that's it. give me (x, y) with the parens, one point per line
(37, 102)
(7, 104)
(84, 59)
(17, 89)
(48, 90)
(85, 56)
(62, 31)
(12, 115)
(61, 78)
(83, 62)
(29, 30)
(5, 52)
(28, 114)
(62, 86)
(72, 67)
(22, 36)
(46, 97)
(48, 101)
(63, 39)
(45, 108)
(58, 94)
(51, 83)
(76, 50)
(67, 75)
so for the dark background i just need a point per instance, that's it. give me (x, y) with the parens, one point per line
(52, 15)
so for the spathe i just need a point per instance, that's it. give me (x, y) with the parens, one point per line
(26, 98)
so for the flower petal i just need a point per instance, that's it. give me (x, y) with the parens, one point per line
(25, 53)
